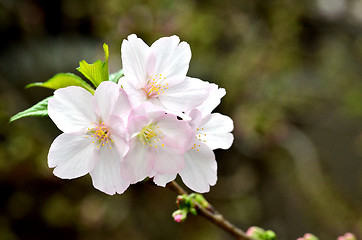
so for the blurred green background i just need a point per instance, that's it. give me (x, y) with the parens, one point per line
(293, 75)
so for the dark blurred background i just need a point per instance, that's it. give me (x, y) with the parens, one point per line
(292, 72)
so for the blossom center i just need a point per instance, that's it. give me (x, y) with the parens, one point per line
(155, 86)
(151, 135)
(199, 137)
(100, 134)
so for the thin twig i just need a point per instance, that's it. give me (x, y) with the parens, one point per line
(212, 215)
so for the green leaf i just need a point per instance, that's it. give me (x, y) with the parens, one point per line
(98, 71)
(114, 77)
(62, 80)
(38, 110)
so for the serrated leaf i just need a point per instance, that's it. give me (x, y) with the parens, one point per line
(98, 71)
(114, 77)
(38, 110)
(62, 80)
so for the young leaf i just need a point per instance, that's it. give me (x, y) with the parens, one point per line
(62, 80)
(98, 71)
(40, 109)
(114, 77)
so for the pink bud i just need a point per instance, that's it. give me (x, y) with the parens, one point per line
(308, 236)
(178, 218)
(349, 236)
(250, 231)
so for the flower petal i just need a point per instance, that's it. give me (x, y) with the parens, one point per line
(136, 95)
(142, 116)
(185, 96)
(72, 156)
(137, 164)
(109, 95)
(195, 120)
(217, 128)
(176, 134)
(200, 171)
(106, 175)
(136, 123)
(214, 99)
(163, 179)
(172, 58)
(118, 134)
(167, 160)
(134, 57)
(72, 109)
(123, 106)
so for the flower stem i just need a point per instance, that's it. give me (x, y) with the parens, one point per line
(212, 215)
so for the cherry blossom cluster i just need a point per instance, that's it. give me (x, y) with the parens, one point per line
(155, 122)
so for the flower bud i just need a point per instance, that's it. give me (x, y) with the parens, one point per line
(270, 235)
(201, 200)
(258, 233)
(347, 236)
(182, 201)
(308, 236)
(179, 215)
(255, 232)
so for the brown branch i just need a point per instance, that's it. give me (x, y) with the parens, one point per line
(212, 215)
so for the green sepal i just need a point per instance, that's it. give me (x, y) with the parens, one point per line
(201, 200)
(62, 80)
(270, 235)
(193, 211)
(98, 71)
(114, 77)
(38, 110)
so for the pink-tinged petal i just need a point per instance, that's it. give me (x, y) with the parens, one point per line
(142, 116)
(134, 57)
(172, 58)
(121, 144)
(119, 134)
(136, 96)
(72, 109)
(214, 99)
(137, 164)
(185, 96)
(195, 120)
(137, 119)
(72, 156)
(136, 123)
(163, 179)
(176, 134)
(200, 171)
(111, 99)
(167, 160)
(106, 175)
(123, 106)
(217, 128)
(151, 63)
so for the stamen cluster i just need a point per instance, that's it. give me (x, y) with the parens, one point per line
(154, 86)
(151, 135)
(101, 134)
